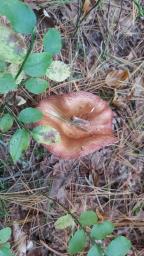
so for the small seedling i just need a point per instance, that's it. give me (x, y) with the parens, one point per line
(5, 235)
(21, 67)
(92, 235)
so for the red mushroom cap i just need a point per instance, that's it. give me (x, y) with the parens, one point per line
(83, 121)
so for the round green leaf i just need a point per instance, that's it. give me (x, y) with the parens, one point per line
(12, 46)
(30, 115)
(7, 83)
(46, 135)
(64, 222)
(58, 71)
(36, 85)
(95, 250)
(6, 122)
(77, 242)
(101, 230)
(88, 218)
(120, 246)
(52, 41)
(5, 235)
(19, 14)
(37, 64)
(18, 144)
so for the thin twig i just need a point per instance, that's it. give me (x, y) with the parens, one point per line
(51, 249)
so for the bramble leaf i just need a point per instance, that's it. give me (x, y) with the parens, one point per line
(37, 64)
(64, 222)
(88, 218)
(120, 246)
(19, 14)
(95, 250)
(58, 71)
(30, 115)
(77, 242)
(18, 144)
(5, 235)
(52, 41)
(7, 83)
(12, 45)
(36, 85)
(6, 122)
(46, 135)
(101, 230)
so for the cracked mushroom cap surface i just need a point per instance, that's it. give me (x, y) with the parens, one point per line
(82, 120)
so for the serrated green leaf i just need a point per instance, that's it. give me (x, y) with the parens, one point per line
(88, 218)
(64, 222)
(5, 235)
(52, 41)
(95, 250)
(37, 64)
(7, 83)
(6, 122)
(36, 85)
(12, 45)
(18, 144)
(101, 230)
(58, 71)
(46, 135)
(30, 115)
(120, 246)
(78, 242)
(19, 14)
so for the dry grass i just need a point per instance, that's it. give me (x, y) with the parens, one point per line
(109, 181)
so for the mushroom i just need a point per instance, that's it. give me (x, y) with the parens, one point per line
(83, 121)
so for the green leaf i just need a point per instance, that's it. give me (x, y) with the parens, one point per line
(2, 65)
(18, 144)
(19, 14)
(12, 45)
(120, 246)
(30, 115)
(5, 251)
(7, 84)
(6, 122)
(5, 235)
(88, 218)
(36, 85)
(101, 230)
(52, 41)
(58, 71)
(64, 222)
(46, 135)
(37, 64)
(95, 250)
(77, 242)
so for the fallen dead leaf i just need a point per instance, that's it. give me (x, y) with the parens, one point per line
(86, 6)
(116, 78)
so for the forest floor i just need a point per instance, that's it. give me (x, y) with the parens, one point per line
(109, 181)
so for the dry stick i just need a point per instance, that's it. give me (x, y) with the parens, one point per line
(51, 249)
(80, 21)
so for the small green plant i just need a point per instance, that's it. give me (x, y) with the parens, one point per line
(22, 67)
(5, 235)
(91, 234)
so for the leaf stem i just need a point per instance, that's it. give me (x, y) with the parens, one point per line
(27, 54)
